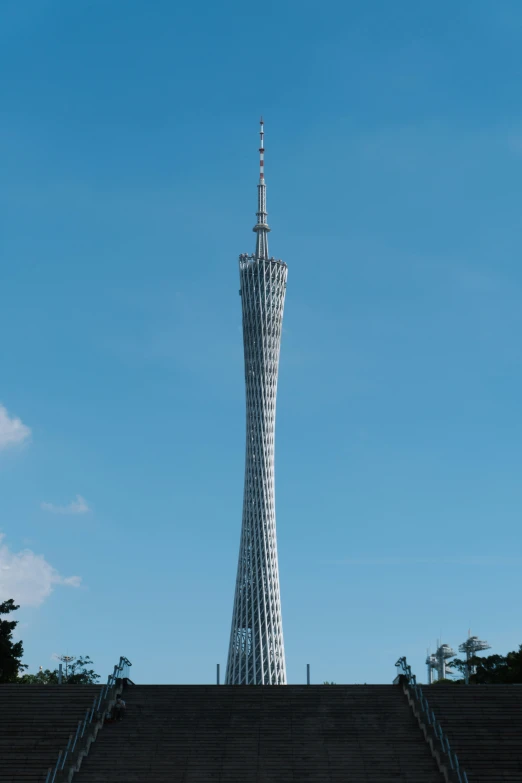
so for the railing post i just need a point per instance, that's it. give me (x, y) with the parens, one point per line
(56, 767)
(66, 751)
(92, 710)
(85, 722)
(308, 674)
(76, 736)
(450, 754)
(99, 699)
(217, 674)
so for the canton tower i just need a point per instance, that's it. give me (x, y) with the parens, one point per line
(256, 654)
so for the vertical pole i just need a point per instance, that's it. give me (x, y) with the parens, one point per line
(308, 674)
(440, 663)
(59, 674)
(217, 674)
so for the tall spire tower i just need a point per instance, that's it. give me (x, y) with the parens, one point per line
(261, 228)
(256, 654)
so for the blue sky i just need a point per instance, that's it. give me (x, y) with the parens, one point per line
(128, 151)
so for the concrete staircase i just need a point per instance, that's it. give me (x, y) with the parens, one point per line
(484, 726)
(289, 734)
(35, 723)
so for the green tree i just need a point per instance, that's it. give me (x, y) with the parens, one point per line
(78, 674)
(446, 681)
(493, 669)
(75, 673)
(44, 677)
(11, 652)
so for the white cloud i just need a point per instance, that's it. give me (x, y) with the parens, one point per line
(70, 581)
(28, 578)
(77, 506)
(12, 430)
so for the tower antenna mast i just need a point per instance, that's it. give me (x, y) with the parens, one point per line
(261, 228)
(256, 653)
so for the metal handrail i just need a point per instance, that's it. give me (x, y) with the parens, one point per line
(121, 670)
(431, 720)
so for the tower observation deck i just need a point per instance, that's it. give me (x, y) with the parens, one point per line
(256, 654)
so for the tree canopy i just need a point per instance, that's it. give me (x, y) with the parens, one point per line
(11, 652)
(493, 669)
(75, 672)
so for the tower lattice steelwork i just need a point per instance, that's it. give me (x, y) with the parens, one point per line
(256, 655)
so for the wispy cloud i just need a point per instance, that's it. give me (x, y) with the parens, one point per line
(459, 560)
(77, 506)
(28, 578)
(12, 430)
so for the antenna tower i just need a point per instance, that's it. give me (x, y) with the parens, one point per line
(256, 653)
(432, 664)
(444, 652)
(471, 647)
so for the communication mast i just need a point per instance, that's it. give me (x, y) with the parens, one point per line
(432, 664)
(256, 653)
(444, 652)
(471, 646)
